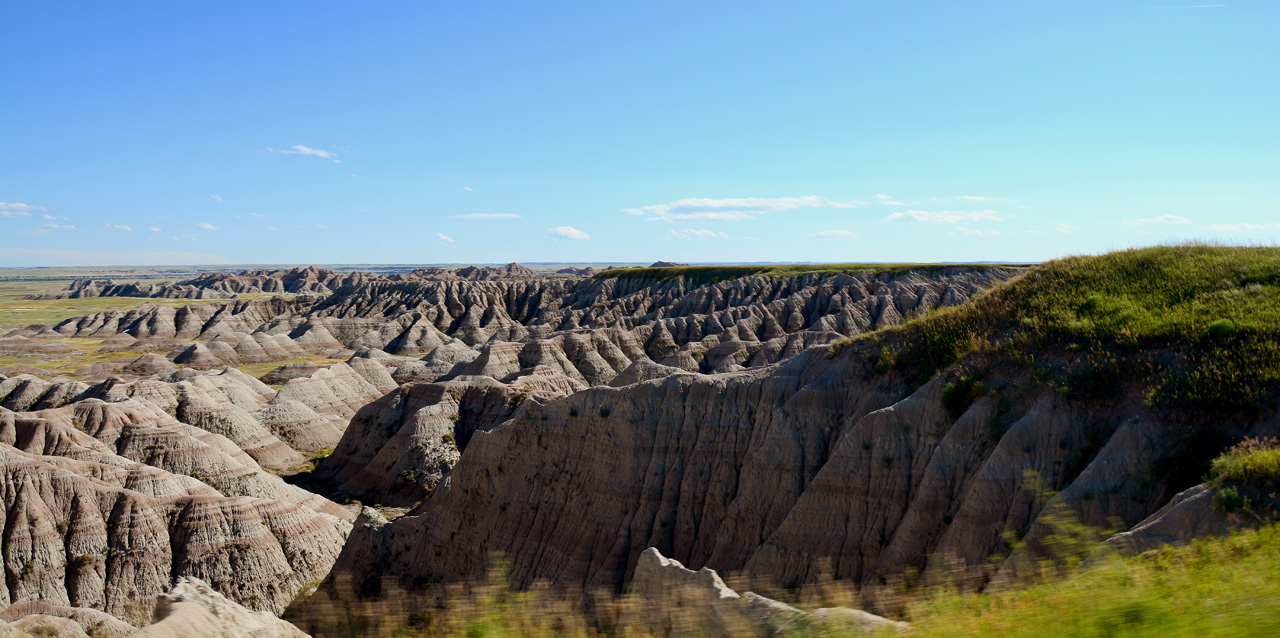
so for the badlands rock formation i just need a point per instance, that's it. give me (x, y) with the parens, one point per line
(166, 466)
(813, 466)
(113, 490)
(309, 280)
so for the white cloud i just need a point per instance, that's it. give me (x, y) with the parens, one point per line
(206, 226)
(19, 209)
(324, 226)
(270, 228)
(214, 198)
(979, 198)
(466, 188)
(888, 200)
(445, 238)
(155, 230)
(731, 209)
(946, 216)
(298, 149)
(972, 233)
(257, 215)
(487, 216)
(568, 232)
(118, 227)
(1241, 226)
(1163, 219)
(368, 211)
(848, 234)
(1063, 228)
(49, 228)
(49, 217)
(696, 233)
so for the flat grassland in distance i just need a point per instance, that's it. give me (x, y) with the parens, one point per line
(15, 311)
(701, 275)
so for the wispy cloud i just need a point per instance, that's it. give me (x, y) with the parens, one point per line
(466, 188)
(888, 200)
(215, 198)
(1163, 219)
(847, 234)
(946, 216)
(45, 229)
(270, 228)
(487, 216)
(697, 233)
(324, 226)
(1064, 228)
(206, 226)
(972, 233)
(298, 149)
(979, 198)
(155, 230)
(122, 227)
(445, 238)
(568, 232)
(13, 210)
(731, 209)
(1240, 226)
(257, 215)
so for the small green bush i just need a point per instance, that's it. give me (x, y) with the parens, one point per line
(1221, 328)
(1254, 461)
(958, 395)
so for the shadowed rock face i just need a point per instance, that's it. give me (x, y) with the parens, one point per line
(784, 472)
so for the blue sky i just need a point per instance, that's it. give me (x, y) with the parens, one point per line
(312, 132)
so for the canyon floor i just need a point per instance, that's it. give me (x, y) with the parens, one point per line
(958, 449)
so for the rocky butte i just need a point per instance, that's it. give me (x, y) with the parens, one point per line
(602, 431)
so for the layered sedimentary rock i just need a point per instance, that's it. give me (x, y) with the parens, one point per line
(563, 382)
(111, 491)
(90, 528)
(814, 466)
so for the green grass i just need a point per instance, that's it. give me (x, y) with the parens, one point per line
(1215, 587)
(257, 370)
(702, 275)
(1199, 325)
